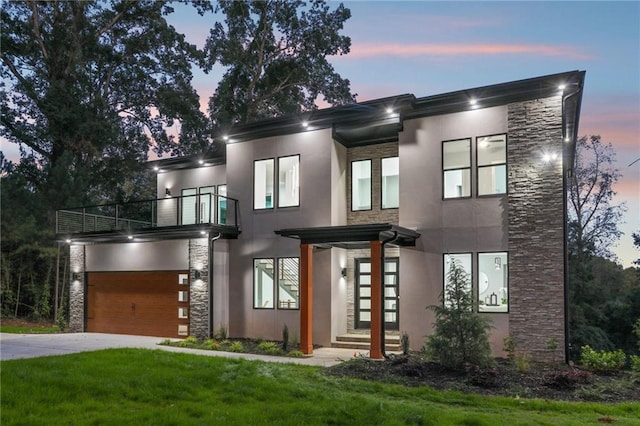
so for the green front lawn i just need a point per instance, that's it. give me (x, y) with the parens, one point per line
(20, 329)
(136, 386)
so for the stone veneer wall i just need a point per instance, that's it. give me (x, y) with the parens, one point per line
(536, 226)
(351, 285)
(76, 288)
(374, 153)
(199, 294)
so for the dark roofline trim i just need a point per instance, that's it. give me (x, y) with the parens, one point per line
(363, 121)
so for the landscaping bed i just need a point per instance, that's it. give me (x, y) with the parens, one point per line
(559, 382)
(19, 325)
(252, 346)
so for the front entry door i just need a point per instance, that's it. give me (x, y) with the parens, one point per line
(363, 293)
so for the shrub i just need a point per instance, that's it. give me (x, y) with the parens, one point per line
(635, 363)
(189, 342)
(522, 362)
(559, 379)
(602, 361)
(165, 342)
(236, 347)
(510, 344)
(460, 335)
(269, 347)
(285, 338)
(211, 345)
(221, 334)
(404, 343)
(552, 346)
(295, 343)
(295, 354)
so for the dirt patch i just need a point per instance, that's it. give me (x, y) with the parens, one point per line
(559, 382)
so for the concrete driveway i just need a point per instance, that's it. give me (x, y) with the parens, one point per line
(15, 346)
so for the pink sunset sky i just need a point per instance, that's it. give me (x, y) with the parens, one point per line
(427, 48)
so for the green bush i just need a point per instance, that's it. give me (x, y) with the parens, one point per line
(236, 347)
(602, 361)
(189, 342)
(404, 343)
(285, 338)
(211, 345)
(295, 354)
(221, 334)
(635, 363)
(270, 348)
(460, 336)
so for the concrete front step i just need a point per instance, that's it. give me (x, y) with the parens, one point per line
(363, 341)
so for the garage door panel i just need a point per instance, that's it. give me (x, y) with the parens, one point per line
(142, 303)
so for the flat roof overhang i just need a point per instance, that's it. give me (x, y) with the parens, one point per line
(352, 236)
(151, 234)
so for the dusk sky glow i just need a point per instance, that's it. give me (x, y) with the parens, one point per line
(428, 48)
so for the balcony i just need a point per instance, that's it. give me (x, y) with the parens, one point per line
(187, 216)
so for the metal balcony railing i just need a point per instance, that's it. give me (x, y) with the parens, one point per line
(212, 209)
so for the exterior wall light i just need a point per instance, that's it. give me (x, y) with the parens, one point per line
(343, 271)
(68, 241)
(75, 276)
(130, 237)
(547, 158)
(167, 192)
(201, 162)
(305, 124)
(562, 86)
(197, 274)
(389, 110)
(155, 168)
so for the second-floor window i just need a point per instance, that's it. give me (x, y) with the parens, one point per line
(361, 185)
(492, 164)
(390, 183)
(289, 181)
(456, 168)
(263, 175)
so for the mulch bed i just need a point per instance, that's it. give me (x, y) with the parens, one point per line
(559, 382)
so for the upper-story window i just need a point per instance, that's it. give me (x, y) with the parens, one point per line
(289, 181)
(361, 185)
(492, 164)
(456, 168)
(263, 177)
(390, 183)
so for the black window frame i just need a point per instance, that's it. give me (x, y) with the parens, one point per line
(382, 186)
(477, 295)
(470, 140)
(370, 160)
(277, 181)
(506, 166)
(253, 280)
(253, 184)
(297, 308)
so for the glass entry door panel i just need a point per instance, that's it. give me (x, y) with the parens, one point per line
(363, 293)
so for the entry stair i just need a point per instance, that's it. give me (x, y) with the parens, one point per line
(363, 342)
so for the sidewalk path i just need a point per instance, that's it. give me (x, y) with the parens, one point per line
(16, 346)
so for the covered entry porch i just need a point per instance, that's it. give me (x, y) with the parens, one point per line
(373, 236)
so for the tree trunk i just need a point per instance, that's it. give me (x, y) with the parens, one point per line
(18, 292)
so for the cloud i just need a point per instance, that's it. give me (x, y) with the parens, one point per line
(367, 50)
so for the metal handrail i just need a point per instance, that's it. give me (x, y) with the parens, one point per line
(204, 208)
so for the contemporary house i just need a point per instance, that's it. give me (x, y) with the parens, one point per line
(341, 223)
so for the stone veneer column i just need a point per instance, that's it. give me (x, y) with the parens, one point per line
(199, 294)
(536, 226)
(76, 288)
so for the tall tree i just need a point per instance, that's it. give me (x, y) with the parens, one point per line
(276, 53)
(593, 218)
(88, 89)
(91, 87)
(594, 281)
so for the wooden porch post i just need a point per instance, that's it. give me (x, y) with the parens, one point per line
(306, 299)
(375, 351)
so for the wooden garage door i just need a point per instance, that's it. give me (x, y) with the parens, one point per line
(140, 303)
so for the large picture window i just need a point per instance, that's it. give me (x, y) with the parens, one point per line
(288, 282)
(289, 181)
(456, 168)
(390, 183)
(463, 260)
(263, 284)
(263, 184)
(493, 282)
(492, 164)
(361, 185)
